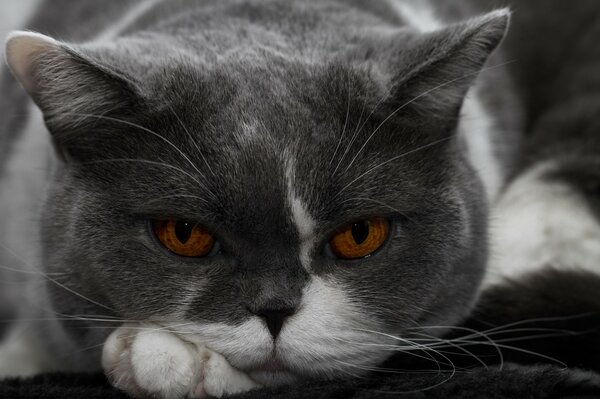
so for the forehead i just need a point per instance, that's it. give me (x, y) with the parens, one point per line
(254, 141)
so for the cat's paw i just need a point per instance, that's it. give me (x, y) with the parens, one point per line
(149, 361)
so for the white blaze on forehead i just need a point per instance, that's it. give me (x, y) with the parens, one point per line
(539, 224)
(304, 222)
(248, 133)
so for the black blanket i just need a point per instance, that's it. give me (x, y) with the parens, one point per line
(511, 383)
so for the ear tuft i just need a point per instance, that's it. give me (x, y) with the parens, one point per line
(491, 27)
(501, 14)
(22, 50)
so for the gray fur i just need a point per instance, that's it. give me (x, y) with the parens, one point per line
(194, 110)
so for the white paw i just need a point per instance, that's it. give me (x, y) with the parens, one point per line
(146, 360)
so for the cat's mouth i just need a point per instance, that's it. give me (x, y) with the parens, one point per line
(272, 364)
(273, 372)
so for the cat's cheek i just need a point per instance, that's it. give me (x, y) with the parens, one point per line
(146, 360)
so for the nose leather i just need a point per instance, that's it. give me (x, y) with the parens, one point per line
(274, 318)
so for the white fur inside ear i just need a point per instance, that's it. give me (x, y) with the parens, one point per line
(22, 48)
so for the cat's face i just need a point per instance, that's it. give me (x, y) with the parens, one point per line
(262, 175)
(272, 159)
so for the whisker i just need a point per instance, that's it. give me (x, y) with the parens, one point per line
(23, 262)
(364, 145)
(52, 280)
(540, 320)
(426, 92)
(357, 130)
(378, 202)
(165, 197)
(469, 353)
(481, 334)
(192, 140)
(423, 147)
(404, 349)
(345, 125)
(452, 373)
(146, 161)
(505, 329)
(388, 370)
(140, 328)
(532, 337)
(149, 131)
(514, 348)
(34, 272)
(425, 348)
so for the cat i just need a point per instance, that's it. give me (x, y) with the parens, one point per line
(333, 162)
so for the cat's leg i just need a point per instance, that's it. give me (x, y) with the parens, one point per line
(543, 221)
(21, 355)
(148, 360)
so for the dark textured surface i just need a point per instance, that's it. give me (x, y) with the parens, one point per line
(514, 382)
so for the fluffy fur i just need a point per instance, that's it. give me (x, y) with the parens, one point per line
(272, 123)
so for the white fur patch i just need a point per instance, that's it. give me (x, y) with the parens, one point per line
(418, 13)
(327, 337)
(336, 338)
(476, 124)
(300, 216)
(539, 224)
(22, 356)
(476, 128)
(21, 191)
(248, 134)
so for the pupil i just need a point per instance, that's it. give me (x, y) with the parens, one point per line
(360, 232)
(183, 231)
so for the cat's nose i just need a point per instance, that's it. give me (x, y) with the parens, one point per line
(275, 318)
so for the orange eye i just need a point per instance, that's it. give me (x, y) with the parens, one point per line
(183, 238)
(360, 239)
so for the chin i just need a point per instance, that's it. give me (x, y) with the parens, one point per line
(274, 378)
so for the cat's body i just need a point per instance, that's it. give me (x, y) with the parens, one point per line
(274, 123)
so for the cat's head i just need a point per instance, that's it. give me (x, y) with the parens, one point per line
(293, 214)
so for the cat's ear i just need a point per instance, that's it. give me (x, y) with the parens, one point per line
(67, 84)
(433, 76)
